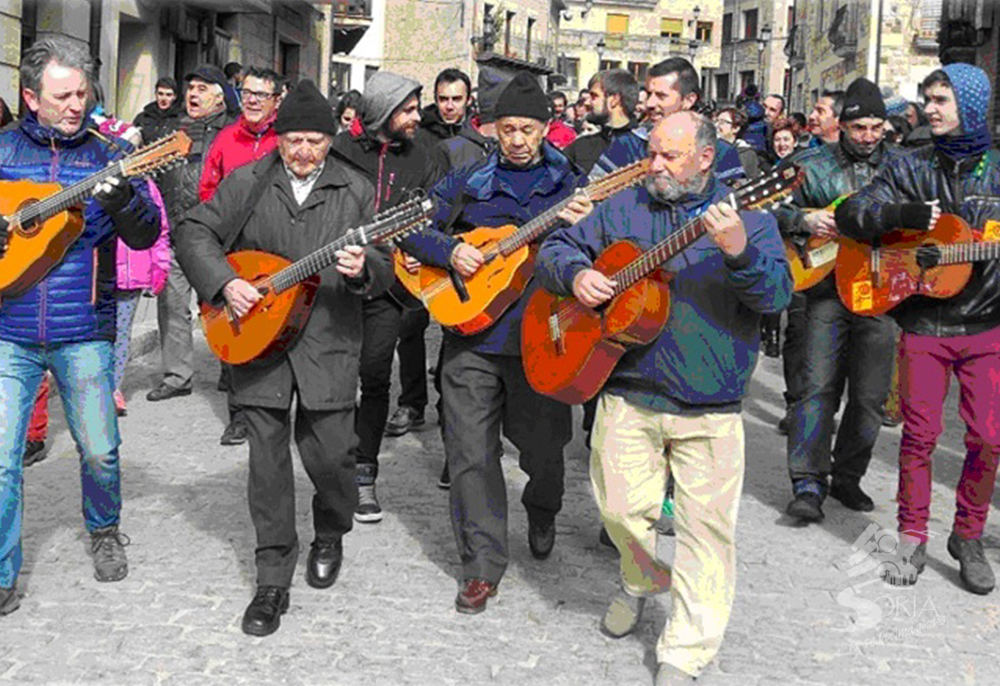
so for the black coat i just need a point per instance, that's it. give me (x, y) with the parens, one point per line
(323, 361)
(586, 150)
(155, 123)
(179, 185)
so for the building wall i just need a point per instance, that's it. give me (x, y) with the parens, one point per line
(746, 55)
(10, 52)
(579, 35)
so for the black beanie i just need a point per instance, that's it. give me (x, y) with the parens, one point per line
(305, 109)
(523, 97)
(863, 99)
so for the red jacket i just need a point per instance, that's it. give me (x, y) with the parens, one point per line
(560, 134)
(234, 146)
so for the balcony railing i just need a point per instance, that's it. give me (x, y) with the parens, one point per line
(630, 45)
(347, 10)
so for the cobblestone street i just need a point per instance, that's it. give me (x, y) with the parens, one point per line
(805, 613)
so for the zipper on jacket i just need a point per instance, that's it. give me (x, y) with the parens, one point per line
(43, 296)
(378, 178)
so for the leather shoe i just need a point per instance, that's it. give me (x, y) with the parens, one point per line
(165, 391)
(403, 420)
(471, 599)
(849, 493)
(324, 563)
(263, 615)
(541, 539)
(236, 433)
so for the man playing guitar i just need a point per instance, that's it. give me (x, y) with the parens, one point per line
(65, 323)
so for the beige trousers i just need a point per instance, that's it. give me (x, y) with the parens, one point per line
(629, 465)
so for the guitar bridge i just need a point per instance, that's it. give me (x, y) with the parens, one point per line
(555, 333)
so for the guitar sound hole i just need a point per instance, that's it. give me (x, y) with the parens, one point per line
(31, 228)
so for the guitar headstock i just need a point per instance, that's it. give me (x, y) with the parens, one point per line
(618, 180)
(770, 188)
(158, 155)
(402, 220)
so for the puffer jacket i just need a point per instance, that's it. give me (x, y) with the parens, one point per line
(236, 145)
(147, 270)
(969, 188)
(180, 185)
(74, 302)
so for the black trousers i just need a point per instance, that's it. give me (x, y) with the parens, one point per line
(324, 441)
(381, 321)
(793, 350)
(484, 395)
(412, 351)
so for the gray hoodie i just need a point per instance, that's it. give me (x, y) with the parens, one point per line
(384, 93)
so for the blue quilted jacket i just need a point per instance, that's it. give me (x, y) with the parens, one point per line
(74, 302)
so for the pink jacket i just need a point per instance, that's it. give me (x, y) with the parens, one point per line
(146, 269)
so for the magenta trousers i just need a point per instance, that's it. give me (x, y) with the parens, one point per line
(926, 366)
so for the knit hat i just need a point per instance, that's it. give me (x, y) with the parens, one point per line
(895, 104)
(385, 92)
(972, 93)
(305, 109)
(523, 97)
(489, 84)
(862, 99)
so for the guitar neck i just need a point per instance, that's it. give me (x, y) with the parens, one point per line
(958, 253)
(64, 199)
(377, 232)
(649, 261)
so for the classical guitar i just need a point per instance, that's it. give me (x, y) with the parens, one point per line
(290, 288)
(474, 304)
(569, 350)
(871, 280)
(814, 261)
(45, 218)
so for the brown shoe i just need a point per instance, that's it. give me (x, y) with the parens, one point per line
(471, 600)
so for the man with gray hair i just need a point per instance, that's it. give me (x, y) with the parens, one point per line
(205, 115)
(671, 408)
(65, 322)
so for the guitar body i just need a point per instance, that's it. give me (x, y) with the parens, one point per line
(819, 261)
(572, 359)
(405, 290)
(492, 289)
(872, 289)
(272, 325)
(34, 249)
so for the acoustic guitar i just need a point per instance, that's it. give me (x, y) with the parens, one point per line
(472, 305)
(815, 261)
(290, 288)
(46, 219)
(871, 280)
(569, 350)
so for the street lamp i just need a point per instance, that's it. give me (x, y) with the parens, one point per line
(763, 39)
(696, 12)
(601, 45)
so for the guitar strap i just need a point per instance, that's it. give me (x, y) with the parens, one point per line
(255, 193)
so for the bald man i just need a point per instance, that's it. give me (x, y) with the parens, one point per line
(671, 407)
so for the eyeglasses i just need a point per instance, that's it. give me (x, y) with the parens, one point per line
(256, 95)
(720, 120)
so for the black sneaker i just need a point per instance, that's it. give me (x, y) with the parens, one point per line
(849, 493)
(236, 433)
(108, 547)
(807, 506)
(35, 452)
(403, 420)
(368, 510)
(445, 480)
(977, 575)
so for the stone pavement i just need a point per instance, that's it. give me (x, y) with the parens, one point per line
(805, 612)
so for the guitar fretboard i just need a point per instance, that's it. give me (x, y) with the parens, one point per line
(968, 252)
(64, 199)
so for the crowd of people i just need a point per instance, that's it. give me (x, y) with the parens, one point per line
(277, 167)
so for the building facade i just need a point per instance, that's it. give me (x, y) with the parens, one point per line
(970, 32)
(753, 35)
(595, 35)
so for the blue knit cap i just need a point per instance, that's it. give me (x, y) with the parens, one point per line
(972, 93)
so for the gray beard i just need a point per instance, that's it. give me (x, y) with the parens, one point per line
(670, 190)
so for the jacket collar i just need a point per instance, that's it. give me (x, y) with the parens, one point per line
(430, 119)
(260, 129)
(693, 203)
(483, 183)
(47, 136)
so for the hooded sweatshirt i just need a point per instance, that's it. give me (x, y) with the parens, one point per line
(394, 167)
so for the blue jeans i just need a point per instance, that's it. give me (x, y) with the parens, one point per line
(85, 375)
(840, 347)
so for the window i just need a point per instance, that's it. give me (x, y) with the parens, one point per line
(610, 64)
(722, 87)
(571, 70)
(506, 32)
(704, 31)
(638, 70)
(791, 16)
(671, 28)
(617, 23)
(746, 78)
(750, 25)
(786, 87)
(727, 28)
(527, 44)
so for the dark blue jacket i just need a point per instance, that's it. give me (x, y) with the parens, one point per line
(703, 359)
(633, 146)
(755, 131)
(75, 301)
(494, 196)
